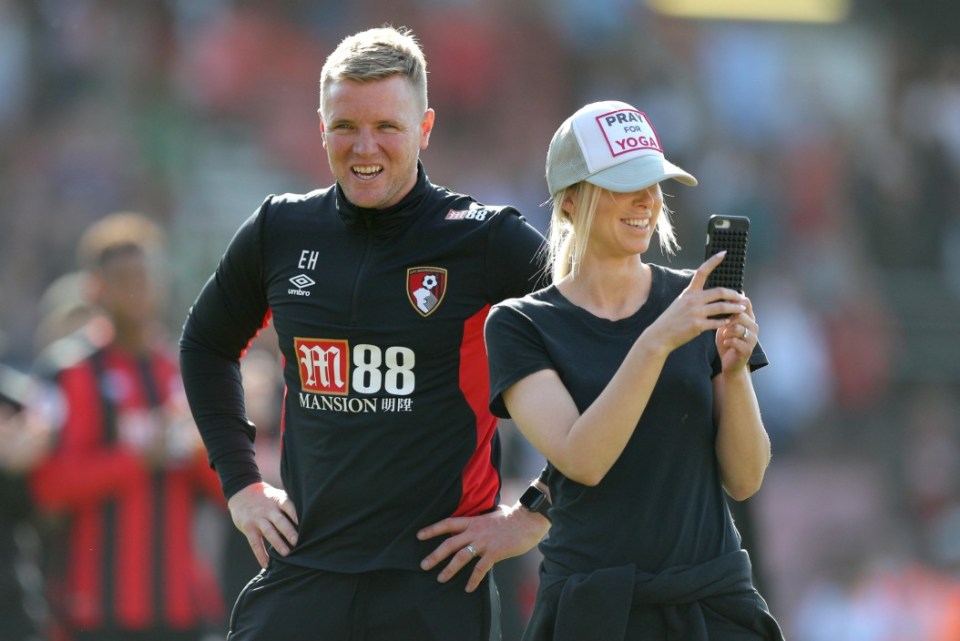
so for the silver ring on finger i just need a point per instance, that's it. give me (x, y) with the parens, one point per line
(472, 550)
(746, 334)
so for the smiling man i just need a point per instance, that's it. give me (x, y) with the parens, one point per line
(387, 437)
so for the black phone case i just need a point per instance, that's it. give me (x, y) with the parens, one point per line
(729, 233)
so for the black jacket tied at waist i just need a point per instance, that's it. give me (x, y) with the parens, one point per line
(596, 606)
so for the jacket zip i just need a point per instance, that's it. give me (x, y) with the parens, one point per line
(355, 296)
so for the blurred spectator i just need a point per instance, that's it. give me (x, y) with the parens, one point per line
(127, 469)
(65, 309)
(26, 433)
(897, 601)
(929, 449)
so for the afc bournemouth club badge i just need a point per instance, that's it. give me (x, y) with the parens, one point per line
(426, 287)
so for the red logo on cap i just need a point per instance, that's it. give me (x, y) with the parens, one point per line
(628, 130)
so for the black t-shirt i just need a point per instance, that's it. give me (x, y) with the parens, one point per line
(380, 315)
(662, 503)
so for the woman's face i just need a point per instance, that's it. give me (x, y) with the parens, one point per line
(624, 222)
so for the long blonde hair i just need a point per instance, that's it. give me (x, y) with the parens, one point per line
(568, 234)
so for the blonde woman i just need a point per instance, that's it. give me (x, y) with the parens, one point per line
(641, 402)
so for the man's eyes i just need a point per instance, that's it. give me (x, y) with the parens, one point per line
(348, 127)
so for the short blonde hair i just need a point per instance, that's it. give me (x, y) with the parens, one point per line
(376, 54)
(567, 236)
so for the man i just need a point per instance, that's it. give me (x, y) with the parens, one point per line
(378, 288)
(127, 467)
(26, 429)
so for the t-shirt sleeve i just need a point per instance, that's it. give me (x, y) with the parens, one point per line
(757, 359)
(515, 350)
(229, 311)
(516, 255)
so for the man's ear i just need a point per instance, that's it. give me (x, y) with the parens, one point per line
(323, 129)
(426, 126)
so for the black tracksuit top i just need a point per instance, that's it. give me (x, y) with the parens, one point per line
(380, 319)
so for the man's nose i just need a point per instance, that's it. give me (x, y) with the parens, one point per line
(365, 141)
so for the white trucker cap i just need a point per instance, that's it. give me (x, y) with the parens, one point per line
(612, 145)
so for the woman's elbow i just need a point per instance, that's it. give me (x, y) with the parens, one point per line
(745, 485)
(583, 472)
(742, 491)
(588, 478)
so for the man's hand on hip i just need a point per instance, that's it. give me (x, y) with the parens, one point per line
(262, 511)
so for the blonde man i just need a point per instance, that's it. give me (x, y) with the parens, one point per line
(378, 287)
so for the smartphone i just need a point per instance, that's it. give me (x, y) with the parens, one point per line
(728, 233)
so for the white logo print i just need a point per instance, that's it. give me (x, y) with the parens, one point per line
(426, 300)
(300, 281)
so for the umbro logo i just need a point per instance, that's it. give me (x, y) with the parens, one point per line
(301, 281)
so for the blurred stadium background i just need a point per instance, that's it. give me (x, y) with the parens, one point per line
(834, 125)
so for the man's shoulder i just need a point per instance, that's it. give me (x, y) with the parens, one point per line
(457, 206)
(468, 209)
(291, 212)
(294, 201)
(503, 227)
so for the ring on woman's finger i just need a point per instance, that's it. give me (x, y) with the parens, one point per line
(472, 550)
(746, 334)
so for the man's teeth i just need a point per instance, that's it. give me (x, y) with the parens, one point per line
(367, 170)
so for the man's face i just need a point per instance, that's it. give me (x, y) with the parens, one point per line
(373, 132)
(127, 288)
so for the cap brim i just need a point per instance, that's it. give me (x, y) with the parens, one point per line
(640, 173)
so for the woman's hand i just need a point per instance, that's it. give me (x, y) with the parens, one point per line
(737, 338)
(694, 310)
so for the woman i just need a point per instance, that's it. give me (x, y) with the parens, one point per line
(641, 402)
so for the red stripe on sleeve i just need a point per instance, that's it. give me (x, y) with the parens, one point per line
(481, 478)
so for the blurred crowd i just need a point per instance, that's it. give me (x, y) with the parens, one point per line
(840, 142)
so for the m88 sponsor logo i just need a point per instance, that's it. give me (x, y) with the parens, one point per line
(467, 214)
(331, 366)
